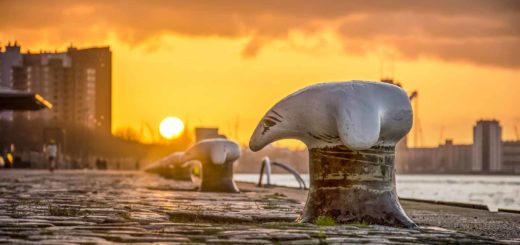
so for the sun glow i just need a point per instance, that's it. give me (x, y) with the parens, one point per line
(171, 127)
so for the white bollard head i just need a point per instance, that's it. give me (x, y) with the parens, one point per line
(216, 151)
(216, 157)
(357, 114)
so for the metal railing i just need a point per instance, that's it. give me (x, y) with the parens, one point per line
(266, 168)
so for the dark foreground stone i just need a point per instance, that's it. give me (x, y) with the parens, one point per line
(88, 207)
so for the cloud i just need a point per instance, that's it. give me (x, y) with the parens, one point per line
(479, 31)
(453, 38)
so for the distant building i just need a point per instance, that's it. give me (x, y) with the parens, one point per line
(93, 70)
(487, 154)
(455, 158)
(487, 146)
(415, 160)
(48, 74)
(446, 158)
(77, 82)
(207, 133)
(511, 156)
(11, 57)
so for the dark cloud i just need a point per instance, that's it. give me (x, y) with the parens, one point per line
(477, 31)
(455, 38)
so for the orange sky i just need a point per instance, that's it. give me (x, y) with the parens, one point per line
(215, 61)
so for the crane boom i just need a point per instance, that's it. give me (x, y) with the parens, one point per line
(417, 130)
(413, 94)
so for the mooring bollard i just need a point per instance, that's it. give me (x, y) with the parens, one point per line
(217, 157)
(171, 167)
(350, 129)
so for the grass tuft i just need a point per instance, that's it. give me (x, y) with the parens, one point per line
(324, 221)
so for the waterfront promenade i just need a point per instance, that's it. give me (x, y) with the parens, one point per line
(110, 207)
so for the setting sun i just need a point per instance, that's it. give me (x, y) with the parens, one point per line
(171, 127)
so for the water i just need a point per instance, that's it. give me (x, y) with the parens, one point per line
(493, 191)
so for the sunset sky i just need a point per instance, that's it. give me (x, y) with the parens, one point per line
(213, 62)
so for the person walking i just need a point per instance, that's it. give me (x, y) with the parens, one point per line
(52, 152)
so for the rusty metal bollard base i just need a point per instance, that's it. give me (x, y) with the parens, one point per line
(218, 178)
(354, 187)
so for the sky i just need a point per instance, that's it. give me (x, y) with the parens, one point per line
(225, 63)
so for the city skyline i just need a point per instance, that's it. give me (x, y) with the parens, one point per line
(228, 125)
(462, 60)
(78, 82)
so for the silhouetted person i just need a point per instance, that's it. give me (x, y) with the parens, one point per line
(99, 164)
(52, 152)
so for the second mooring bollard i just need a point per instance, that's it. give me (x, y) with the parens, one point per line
(350, 129)
(171, 167)
(217, 157)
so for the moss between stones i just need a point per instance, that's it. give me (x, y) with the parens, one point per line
(360, 225)
(275, 195)
(63, 211)
(324, 221)
(202, 218)
(283, 225)
(47, 232)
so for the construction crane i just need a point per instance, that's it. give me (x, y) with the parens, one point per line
(417, 130)
(145, 125)
(441, 137)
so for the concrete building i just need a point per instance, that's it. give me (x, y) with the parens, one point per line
(92, 68)
(487, 154)
(511, 156)
(207, 133)
(446, 158)
(77, 82)
(415, 160)
(49, 75)
(487, 146)
(455, 158)
(9, 58)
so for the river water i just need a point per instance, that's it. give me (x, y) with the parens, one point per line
(493, 191)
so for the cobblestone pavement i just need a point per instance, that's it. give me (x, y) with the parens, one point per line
(111, 207)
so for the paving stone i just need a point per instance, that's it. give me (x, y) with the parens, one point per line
(37, 207)
(237, 241)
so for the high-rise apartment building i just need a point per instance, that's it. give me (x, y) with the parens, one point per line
(9, 58)
(92, 69)
(487, 146)
(77, 82)
(49, 75)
